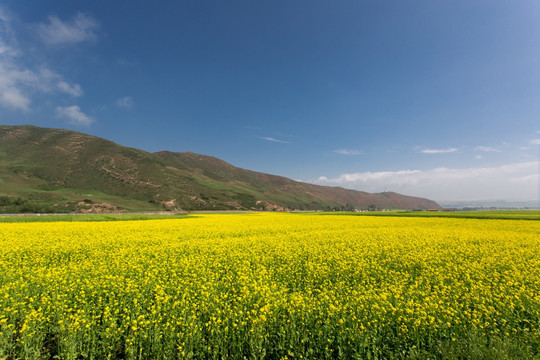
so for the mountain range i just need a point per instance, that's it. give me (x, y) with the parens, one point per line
(57, 170)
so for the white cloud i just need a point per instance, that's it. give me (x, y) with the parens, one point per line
(81, 28)
(348, 152)
(18, 82)
(439, 151)
(275, 140)
(74, 115)
(7, 36)
(12, 98)
(487, 149)
(125, 102)
(535, 141)
(519, 181)
(70, 89)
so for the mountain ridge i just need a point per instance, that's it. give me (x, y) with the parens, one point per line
(67, 170)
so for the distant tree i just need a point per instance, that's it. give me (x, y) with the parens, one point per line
(372, 207)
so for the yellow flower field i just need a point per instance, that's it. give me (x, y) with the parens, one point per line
(270, 286)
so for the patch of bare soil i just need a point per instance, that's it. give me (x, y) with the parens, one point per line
(272, 207)
(98, 208)
(171, 205)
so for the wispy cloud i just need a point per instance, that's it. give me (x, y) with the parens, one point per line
(487, 149)
(275, 140)
(535, 141)
(13, 98)
(70, 89)
(347, 152)
(11, 76)
(80, 28)
(439, 151)
(517, 181)
(7, 36)
(18, 82)
(74, 115)
(125, 102)
(367, 177)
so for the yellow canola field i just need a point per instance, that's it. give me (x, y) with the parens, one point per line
(270, 286)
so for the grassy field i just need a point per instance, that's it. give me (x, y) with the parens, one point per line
(484, 214)
(473, 214)
(85, 217)
(271, 286)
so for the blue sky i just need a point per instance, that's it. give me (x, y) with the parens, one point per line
(439, 99)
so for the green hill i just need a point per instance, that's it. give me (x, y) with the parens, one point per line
(54, 170)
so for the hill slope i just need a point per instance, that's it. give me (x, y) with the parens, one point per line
(62, 170)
